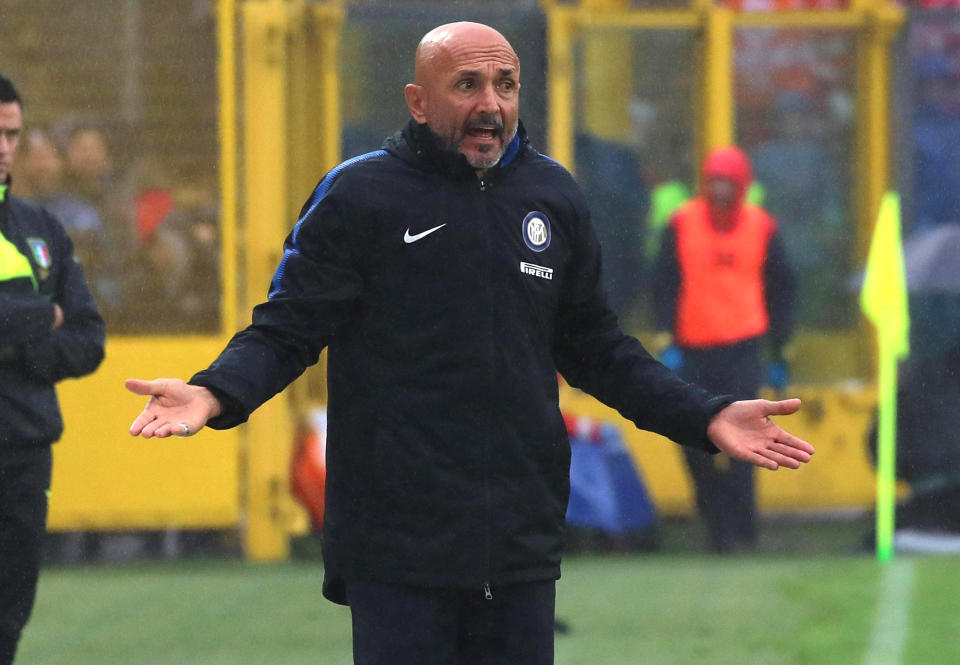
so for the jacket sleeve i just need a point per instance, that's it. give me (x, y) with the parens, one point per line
(666, 281)
(593, 354)
(25, 315)
(313, 292)
(781, 293)
(75, 348)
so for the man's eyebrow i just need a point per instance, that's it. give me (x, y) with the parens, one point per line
(505, 71)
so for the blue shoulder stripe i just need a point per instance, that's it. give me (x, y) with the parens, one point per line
(549, 158)
(318, 193)
(512, 151)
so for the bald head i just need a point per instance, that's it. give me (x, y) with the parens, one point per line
(444, 43)
(467, 90)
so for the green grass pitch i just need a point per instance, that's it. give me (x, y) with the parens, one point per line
(627, 609)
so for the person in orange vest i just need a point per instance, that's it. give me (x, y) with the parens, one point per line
(723, 288)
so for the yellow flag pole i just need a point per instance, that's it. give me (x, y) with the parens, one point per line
(884, 301)
(886, 449)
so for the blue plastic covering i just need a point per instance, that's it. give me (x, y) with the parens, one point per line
(606, 491)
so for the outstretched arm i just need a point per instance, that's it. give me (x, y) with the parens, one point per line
(175, 408)
(745, 432)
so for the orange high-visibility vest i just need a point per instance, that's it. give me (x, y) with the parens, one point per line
(722, 298)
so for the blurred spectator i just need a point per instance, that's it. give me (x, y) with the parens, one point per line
(43, 172)
(153, 205)
(90, 167)
(803, 191)
(90, 175)
(665, 199)
(936, 128)
(178, 262)
(618, 199)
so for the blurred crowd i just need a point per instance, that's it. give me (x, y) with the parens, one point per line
(136, 230)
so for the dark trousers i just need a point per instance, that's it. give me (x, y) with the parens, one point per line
(407, 625)
(24, 481)
(725, 487)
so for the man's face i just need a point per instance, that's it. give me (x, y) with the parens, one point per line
(41, 164)
(471, 99)
(722, 192)
(87, 154)
(11, 122)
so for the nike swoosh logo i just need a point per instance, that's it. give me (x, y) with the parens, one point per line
(407, 238)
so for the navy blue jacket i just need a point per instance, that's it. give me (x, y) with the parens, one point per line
(448, 304)
(32, 357)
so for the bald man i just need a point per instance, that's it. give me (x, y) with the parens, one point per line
(451, 274)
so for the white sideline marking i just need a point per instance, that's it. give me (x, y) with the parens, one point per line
(893, 615)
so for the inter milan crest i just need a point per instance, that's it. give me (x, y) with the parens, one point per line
(536, 231)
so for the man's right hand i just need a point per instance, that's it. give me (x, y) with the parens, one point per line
(175, 408)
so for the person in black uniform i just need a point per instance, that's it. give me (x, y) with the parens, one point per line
(49, 330)
(451, 275)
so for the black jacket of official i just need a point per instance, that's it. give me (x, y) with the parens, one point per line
(33, 358)
(448, 303)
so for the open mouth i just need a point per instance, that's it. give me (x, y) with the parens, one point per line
(484, 133)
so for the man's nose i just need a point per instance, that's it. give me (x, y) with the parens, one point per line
(489, 102)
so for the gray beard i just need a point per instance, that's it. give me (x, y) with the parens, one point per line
(485, 163)
(488, 162)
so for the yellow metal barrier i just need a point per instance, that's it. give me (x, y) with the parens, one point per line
(268, 436)
(876, 20)
(291, 137)
(717, 111)
(227, 117)
(105, 479)
(882, 22)
(284, 127)
(560, 86)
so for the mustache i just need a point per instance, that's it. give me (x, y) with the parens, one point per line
(486, 120)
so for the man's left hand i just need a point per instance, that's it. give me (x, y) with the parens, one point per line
(58, 317)
(745, 432)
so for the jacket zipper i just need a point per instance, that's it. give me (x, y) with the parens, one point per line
(488, 543)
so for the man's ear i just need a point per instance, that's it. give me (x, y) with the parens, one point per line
(416, 102)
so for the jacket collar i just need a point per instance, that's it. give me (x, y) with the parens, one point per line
(5, 189)
(419, 145)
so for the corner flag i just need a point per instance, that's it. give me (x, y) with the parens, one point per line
(884, 301)
(884, 295)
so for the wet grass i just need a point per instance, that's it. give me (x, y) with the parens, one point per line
(804, 598)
